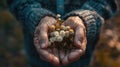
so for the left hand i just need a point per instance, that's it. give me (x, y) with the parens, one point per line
(41, 41)
(80, 41)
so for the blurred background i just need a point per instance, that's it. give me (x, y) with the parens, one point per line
(12, 54)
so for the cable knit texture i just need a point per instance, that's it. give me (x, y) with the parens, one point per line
(91, 19)
(29, 13)
(92, 12)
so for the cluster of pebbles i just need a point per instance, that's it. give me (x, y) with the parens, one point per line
(61, 36)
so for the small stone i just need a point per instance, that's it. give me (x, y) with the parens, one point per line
(66, 33)
(67, 27)
(62, 33)
(59, 38)
(71, 31)
(52, 39)
(57, 25)
(59, 19)
(52, 28)
(62, 27)
(54, 34)
(58, 15)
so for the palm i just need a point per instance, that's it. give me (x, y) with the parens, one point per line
(79, 41)
(41, 41)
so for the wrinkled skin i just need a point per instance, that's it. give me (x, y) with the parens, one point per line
(41, 41)
(80, 41)
(54, 55)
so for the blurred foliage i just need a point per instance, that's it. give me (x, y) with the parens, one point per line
(3, 4)
(11, 41)
(107, 53)
(12, 54)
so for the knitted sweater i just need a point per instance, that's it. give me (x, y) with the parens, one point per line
(92, 12)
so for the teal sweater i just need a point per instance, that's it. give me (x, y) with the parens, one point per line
(92, 12)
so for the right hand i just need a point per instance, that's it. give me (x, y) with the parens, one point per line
(80, 41)
(41, 41)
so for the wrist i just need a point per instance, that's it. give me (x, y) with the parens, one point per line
(78, 21)
(47, 20)
(92, 21)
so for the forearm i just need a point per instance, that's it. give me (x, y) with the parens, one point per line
(29, 13)
(93, 13)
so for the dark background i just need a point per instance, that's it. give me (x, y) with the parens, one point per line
(12, 54)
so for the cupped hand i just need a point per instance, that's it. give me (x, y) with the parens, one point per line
(41, 41)
(80, 41)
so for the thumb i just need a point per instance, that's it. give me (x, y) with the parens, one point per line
(43, 36)
(79, 36)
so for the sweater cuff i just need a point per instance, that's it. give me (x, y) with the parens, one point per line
(29, 13)
(91, 20)
(31, 16)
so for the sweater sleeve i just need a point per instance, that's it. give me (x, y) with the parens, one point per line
(93, 13)
(28, 12)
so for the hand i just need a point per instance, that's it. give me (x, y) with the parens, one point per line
(79, 41)
(41, 41)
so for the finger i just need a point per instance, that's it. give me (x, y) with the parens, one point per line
(72, 56)
(79, 37)
(69, 23)
(45, 55)
(83, 46)
(65, 60)
(43, 36)
(75, 55)
(55, 52)
(62, 55)
(50, 51)
(36, 39)
(36, 42)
